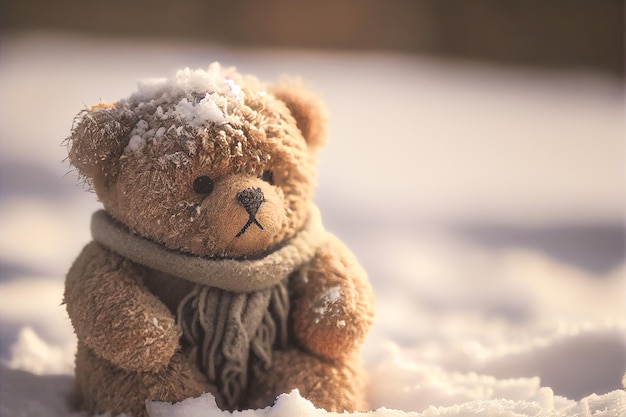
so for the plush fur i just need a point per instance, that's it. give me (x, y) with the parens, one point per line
(144, 156)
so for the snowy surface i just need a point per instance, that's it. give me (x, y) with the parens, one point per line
(426, 160)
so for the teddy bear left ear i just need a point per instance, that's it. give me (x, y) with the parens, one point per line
(307, 108)
(98, 138)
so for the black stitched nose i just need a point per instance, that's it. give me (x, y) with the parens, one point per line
(251, 199)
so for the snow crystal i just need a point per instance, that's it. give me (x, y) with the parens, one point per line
(141, 126)
(188, 407)
(136, 142)
(198, 114)
(199, 80)
(331, 296)
(160, 131)
(184, 109)
(177, 158)
(234, 88)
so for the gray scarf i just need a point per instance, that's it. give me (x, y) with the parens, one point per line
(238, 308)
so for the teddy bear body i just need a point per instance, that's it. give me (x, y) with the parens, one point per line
(209, 269)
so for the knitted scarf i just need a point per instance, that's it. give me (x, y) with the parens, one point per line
(237, 309)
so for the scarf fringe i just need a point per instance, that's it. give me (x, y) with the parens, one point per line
(226, 328)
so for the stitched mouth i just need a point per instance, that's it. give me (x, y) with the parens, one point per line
(251, 220)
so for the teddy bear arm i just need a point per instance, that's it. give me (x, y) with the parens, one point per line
(115, 315)
(333, 307)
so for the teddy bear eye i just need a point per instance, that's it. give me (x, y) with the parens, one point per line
(268, 176)
(203, 185)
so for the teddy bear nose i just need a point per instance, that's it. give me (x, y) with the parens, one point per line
(251, 199)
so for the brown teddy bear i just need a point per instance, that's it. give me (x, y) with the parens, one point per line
(209, 269)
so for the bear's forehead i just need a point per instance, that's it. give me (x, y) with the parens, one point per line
(216, 112)
(194, 105)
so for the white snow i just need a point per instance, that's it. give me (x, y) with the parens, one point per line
(327, 300)
(544, 404)
(187, 80)
(462, 328)
(333, 294)
(32, 354)
(197, 114)
(136, 142)
(215, 83)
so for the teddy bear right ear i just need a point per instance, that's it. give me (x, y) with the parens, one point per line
(306, 108)
(98, 138)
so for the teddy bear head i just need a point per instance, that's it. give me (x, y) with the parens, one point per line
(210, 162)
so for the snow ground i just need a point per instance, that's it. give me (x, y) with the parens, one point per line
(419, 149)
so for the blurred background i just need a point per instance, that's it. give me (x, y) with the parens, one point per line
(560, 35)
(475, 148)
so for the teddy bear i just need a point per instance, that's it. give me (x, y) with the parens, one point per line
(209, 268)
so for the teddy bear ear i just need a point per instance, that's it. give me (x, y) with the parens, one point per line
(98, 138)
(307, 108)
